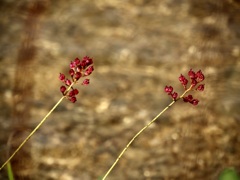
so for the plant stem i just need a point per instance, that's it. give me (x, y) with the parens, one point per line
(35, 129)
(30, 135)
(10, 172)
(139, 132)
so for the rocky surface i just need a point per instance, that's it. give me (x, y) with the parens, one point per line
(138, 47)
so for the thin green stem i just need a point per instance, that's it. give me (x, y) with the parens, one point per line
(35, 129)
(139, 132)
(10, 172)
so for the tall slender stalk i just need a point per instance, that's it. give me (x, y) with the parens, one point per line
(140, 132)
(136, 135)
(78, 68)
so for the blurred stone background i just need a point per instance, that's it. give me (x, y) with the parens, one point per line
(138, 47)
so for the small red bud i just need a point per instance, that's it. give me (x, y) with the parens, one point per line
(194, 82)
(200, 87)
(71, 72)
(78, 75)
(194, 102)
(185, 99)
(68, 82)
(174, 95)
(77, 61)
(75, 91)
(89, 71)
(71, 93)
(61, 77)
(73, 99)
(168, 89)
(183, 80)
(191, 74)
(85, 82)
(199, 76)
(87, 61)
(72, 65)
(63, 89)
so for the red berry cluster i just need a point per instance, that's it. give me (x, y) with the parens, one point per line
(78, 68)
(196, 78)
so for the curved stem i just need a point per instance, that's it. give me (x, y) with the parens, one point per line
(189, 89)
(139, 132)
(35, 129)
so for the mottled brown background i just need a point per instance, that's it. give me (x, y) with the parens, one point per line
(138, 47)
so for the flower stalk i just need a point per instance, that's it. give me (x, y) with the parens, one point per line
(136, 135)
(78, 68)
(195, 79)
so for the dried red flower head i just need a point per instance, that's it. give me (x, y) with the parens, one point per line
(78, 68)
(195, 79)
